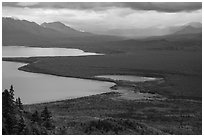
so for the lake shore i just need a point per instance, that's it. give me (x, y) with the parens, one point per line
(180, 81)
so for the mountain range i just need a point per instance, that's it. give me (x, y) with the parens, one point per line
(193, 27)
(66, 30)
(23, 32)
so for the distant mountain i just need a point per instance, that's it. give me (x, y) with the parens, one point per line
(153, 31)
(68, 31)
(190, 29)
(195, 24)
(137, 32)
(23, 32)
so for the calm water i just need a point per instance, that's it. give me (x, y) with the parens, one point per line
(128, 78)
(21, 51)
(34, 88)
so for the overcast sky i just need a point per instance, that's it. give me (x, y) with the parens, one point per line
(101, 16)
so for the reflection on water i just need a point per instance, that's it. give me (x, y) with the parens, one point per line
(21, 51)
(128, 78)
(34, 88)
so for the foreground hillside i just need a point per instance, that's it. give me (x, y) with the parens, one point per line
(109, 113)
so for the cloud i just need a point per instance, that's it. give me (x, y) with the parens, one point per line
(146, 6)
(99, 17)
(165, 6)
(27, 4)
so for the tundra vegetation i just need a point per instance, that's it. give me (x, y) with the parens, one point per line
(105, 113)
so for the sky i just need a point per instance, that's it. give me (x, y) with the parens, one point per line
(101, 16)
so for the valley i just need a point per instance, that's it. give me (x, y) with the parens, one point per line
(175, 104)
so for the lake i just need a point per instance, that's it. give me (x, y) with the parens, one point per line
(22, 51)
(36, 88)
(128, 78)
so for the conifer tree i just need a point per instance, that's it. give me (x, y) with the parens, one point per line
(36, 117)
(12, 92)
(45, 114)
(46, 118)
(19, 103)
(8, 111)
(20, 126)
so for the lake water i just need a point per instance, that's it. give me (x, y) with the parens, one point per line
(128, 78)
(21, 51)
(35, 88)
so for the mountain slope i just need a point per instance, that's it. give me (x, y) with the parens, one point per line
(189, 30)
(68, 31)
(153, 31)
(16, 32)
(196, 24)
(22, 32)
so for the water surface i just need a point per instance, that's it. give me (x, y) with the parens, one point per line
(128, 78)
(35, 88)
(21, 51)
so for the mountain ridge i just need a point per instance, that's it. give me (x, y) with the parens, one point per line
(59, 26)
(23, 32)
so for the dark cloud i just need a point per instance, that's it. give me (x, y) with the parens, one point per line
(157, 6)
(166, 6)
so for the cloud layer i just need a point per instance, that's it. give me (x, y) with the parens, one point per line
(100, 17)
(156, 6)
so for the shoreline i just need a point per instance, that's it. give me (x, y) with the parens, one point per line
(114, 88)
(117, 82)
(33, 67)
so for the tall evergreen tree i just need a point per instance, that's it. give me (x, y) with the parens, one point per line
(36, 117)
(46, 115)
(11, 91)
(8, 110)
(46, 118)
(21, 125)
(19, 103)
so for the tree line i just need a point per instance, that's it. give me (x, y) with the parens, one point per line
(17, 121)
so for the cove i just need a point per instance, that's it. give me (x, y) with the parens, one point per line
(37, 88)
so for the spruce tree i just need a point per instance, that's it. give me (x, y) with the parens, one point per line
(45, 114)
(12, 92)
(8, 111)
(19, 104)
(21, 125)
(46, 118)
(36, 117)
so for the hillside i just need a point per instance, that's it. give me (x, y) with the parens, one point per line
(189, 30)
(66, 30)
(22, 32)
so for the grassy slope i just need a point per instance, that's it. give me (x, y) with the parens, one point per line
(107, 114)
